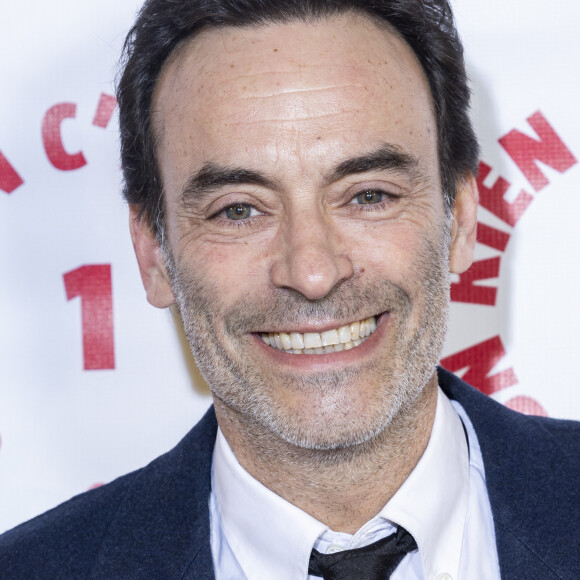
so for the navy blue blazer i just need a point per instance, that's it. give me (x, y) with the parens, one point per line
(154, 522)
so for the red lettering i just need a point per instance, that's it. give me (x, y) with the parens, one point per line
(105, 108)
(96, 485)
(479, 360)
(492, 198)
(9, 178)
(466, 291)
(492, 237)
(526, 405)
(93, 284)
(52, 138)
(549, 149)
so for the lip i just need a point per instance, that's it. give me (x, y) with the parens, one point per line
(324, 361)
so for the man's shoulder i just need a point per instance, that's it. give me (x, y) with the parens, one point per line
(65, 538)
(532, 472)
(493, 420)
(68, 540)
(506, 436)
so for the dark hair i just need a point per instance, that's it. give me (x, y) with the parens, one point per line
(426, 25)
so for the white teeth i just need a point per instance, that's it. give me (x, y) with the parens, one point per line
(344, 334)
(278, 342)
(355, 330)
(329, 337)
(297, 340)
(312, 340)
(285, 340)
(336, 340)
(367, 328)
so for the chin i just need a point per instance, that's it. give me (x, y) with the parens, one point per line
(336, 412)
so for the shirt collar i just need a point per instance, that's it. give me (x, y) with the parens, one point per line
(271, 538)
(432, 502)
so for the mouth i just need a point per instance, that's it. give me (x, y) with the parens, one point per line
(338, 339)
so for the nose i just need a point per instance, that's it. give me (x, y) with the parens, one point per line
(312, 257)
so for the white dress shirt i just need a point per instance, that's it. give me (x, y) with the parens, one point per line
(257, 535)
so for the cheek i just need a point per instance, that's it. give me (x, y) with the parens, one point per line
(234, 269)
(388, 251)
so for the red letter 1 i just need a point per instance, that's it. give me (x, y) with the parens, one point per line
(93, 285)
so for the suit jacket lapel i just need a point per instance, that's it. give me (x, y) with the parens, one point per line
(529, 466)
(161, 529)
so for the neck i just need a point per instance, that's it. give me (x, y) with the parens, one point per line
(341, 488)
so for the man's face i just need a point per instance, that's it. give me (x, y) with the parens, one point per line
(302, 192)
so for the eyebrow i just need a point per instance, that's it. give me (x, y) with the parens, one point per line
(212, 176)
(385, 158)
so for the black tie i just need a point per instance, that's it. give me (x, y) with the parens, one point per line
(373, 562)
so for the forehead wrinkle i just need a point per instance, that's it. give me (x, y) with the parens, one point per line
(285, 123)
(280, 74)
(288, 93)
(296, 91)
(287, 106)
(288, 67)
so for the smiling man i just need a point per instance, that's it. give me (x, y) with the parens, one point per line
(301, 182)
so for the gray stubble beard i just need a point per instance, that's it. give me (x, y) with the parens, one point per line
(236, 384)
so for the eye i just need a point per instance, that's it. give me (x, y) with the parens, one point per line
(239, 211)
(369, 197)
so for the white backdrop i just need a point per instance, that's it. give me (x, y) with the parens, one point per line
(94, 382)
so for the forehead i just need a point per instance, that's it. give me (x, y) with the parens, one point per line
(291, 87)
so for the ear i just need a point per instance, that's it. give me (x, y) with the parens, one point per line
(151, 263)
(463, 231)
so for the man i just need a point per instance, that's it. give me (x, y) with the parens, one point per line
(301, 182)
